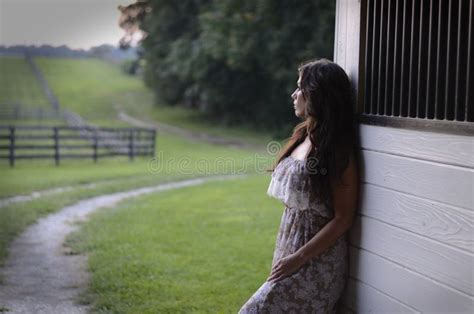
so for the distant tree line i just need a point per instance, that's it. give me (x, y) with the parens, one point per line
(236, 60)
(105, 51)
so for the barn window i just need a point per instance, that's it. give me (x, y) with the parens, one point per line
(416, 61)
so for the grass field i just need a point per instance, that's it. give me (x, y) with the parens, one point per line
(15, 217)
(174, 155)
(177, 159)
(108, 88)
(91, 87)
(184, 117)
(86, 86)
(202, 249)
(199, 249)
(18, 84)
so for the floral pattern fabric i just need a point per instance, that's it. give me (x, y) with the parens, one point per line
(317, 286)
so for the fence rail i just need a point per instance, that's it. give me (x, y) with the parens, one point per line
(16, 111)
(61, 142)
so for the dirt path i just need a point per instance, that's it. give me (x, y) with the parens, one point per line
(46, 192)
(40, 276)
(192, 135)
(37, 194)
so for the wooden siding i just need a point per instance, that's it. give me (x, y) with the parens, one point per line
(412, 243)
(434, 181)
(437, 147)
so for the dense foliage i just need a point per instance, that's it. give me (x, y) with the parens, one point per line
(234, 60)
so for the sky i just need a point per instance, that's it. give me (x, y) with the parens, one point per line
(75, 23)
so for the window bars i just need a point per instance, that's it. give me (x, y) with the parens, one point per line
(418, 59)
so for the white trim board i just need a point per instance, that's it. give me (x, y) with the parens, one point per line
(438, 147)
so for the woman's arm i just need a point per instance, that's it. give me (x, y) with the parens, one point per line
(345, 203)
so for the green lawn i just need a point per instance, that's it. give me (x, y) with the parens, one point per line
(202, 249)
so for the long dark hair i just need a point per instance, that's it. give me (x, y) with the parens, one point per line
(329, 122)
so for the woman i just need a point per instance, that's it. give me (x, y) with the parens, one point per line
(316, 178)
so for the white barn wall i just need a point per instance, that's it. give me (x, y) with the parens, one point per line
(412, 244)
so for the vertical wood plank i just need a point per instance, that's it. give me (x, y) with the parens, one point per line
(11, 155)
(130, 145)
(56, 145)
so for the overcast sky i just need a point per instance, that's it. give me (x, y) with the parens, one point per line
(76, 23)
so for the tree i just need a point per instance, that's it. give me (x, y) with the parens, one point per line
(234, 60)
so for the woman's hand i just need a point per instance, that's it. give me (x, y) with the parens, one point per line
(285, 267)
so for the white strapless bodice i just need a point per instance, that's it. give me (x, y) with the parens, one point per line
(290, 184)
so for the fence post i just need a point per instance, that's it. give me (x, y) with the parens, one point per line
(153, 143)
(130, 145)
(56, 146)
(95, 146)
(11, 155)
(138, 140)
(16, 111)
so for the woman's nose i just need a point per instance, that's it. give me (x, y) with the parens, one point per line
(293, 95)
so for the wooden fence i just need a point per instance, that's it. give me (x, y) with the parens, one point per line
(16, 111)
(61, 142)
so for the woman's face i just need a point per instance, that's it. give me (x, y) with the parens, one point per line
(299, 102)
